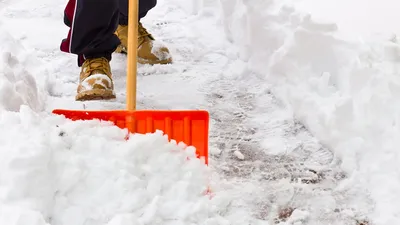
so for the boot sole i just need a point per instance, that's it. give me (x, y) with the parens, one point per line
(97, 94)
(144, 61)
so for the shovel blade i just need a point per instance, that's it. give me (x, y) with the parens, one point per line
(187, 126)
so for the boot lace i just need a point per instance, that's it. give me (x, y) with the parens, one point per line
(96, 66)
(143, 33)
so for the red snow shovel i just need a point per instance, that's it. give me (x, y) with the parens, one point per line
(187, 126)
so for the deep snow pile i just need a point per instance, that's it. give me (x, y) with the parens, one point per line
(343, 86)
(86, 173)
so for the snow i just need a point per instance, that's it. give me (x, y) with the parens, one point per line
(156, 50)
(69, 173)
(17, 84)
(340, 80)
(356, 18)
(99, 79)
(304, 116)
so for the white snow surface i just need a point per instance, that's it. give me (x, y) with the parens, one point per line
(303, 98)
(339, 79)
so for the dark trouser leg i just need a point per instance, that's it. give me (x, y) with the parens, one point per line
(144, 7)
(92, 25)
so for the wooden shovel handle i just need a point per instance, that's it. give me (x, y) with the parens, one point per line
(133, 16)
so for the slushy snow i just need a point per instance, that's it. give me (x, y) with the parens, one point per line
(304, 118)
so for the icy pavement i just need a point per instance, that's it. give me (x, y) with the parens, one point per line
(266, 166)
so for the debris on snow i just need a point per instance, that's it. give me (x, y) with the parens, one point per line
(238, 154)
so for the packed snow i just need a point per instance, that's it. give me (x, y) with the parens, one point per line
(304, 118)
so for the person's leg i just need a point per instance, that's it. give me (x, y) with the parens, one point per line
(92, 25)
(91, 36)
(144, 7)
(148, 52)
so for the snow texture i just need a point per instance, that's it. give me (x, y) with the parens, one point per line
(304, 118)
(342, 84)
(70, 174)
(17, 84)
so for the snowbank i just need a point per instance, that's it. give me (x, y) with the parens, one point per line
(17, 84)
(344, 91)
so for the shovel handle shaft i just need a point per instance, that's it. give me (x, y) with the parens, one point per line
(133, 16)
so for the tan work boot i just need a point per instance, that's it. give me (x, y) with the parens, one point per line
(95, 80)
(149, 51)
(122, 34)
